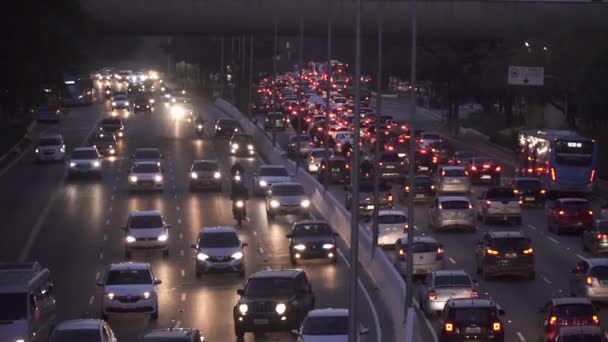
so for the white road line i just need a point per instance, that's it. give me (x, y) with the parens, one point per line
(105, 237)
(38, 226)
(91, 299)
(369, 302)
(97, 276)
(452, 261)
(255, 233)
(552, 239)
(181, 252)
(179, 221)
(580, 257)
(267, 268)
(100, 255)
(181, 236)
(112, 198)
(531, 227)
(183, 299)
(521, 337)
(107, 222)
(177, 325)
(177, 208)
(183, 272)
(110, 209)
(261, 250)
(546, 280)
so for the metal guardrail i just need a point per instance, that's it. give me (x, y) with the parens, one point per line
(18, 147)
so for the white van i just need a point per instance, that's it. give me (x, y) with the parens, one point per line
(27, 308)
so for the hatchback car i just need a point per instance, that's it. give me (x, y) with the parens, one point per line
(299, 145)
(146, 230)
(226, 127)
(443, 151)
(424, 162)
(572, 214)
(499, 203)
(145, 176)
(390, 166)
(142, 104)
(334, 170)
(443, 285)
(565, 312)
(120, 102)
(287, 199)
(205, 174)
(452, 179)
(50, 148)
(113, 125)
(315, 157)
(312, 240)
(424, 189)
(530, 191)
(484, 170)
(323, 325)
(219, 248)
(129, 287)
(83, 330)
(275, 121)
(150, 154)
(84, 161)
(366, 198)
(595, 239)
(428, 255)
(104, 142)
(471, 319)
(241, 144)
(590, 279)
(174, 335)
(392, 225)
(463, 157)
(273, 300)
(501, 253)
(448, 212)
(427, 139)
(266, 175)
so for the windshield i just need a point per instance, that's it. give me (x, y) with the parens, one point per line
(129, 277)
(390, 158)
(80, 335)
(14, 306)
(452, 280)
(318, 153)
(575, 153)
(574, 310)
(49, 142)
(219, 240)
(473, 315)
(88, 154)
(287, 190)
(528, 184)
(389, 219)
(227, 123)
(512, 243)
(241, 139)
(120, 98)
(315, 229)
(576, 205)
(111, 122)
(422, 247)
(326, 325)
(422, 181)
(142, 222)
(273, 172)
(455, 205)
(204, 166)
(107, 137)
(147, 154)
(270, 287)
(454, 173)
(146, 168)
(599, 272)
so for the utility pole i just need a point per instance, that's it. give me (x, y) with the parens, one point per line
(250, 75)
(300, 95)
(354, 234)
(327, 90)
(222, 67)
(274, 75)
(410, 209)
(377, 145)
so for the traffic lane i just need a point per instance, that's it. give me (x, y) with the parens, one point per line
(28, 187)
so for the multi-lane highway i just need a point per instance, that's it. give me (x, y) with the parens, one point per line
(73, 228)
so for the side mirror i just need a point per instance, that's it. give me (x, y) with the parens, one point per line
(99, 283)
(364, 331)
(288, 236)
(157, 281)
(193, 246)
(295, 332)
(240, 292)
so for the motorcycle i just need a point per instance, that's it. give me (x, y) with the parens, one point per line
(238, 211)
(108, 93)
(198, 129)
(237, 178)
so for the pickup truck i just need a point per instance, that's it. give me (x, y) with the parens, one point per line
(499, 203)
(366, 198)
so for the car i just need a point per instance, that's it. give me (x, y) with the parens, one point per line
(241, 144)
(530, 191)
(580, 333)
(424, 162)
(329, 324)
(312, 240)
(315, 157)
(287, 199)
(590, 279)
(565, 312)
(205, 174)
(499, 203)
(142, 104)
(48, 113)
(113, 125)
(595, 239)
(84, 161)
(181, 111)
(50, 147)
(273, 300)
(299, 145)
(427, 139)
(398, 144)
(392, 225)
(443, 151)
(334, 170)
(390, 166)
(150, 154)
(219, 248)
(471, 319)
(443, 285)
(145, 175)
(146, 230)
(483, 170)
(570, 213)
(342, 139)
(463, 157)
(366, 198)
(452, 179)
(266, 175)
(451, 212)
(428, 255)
(424, 189)
(174, 335)
(275, 121)
(129, 287)
(226, 127)
(500, 253)
(120, 102)
(104, 142)
(83, 329)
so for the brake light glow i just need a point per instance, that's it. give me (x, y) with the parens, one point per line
(498, 169)
(592, 177)
(589, 281)
(543, 191)
(449, 327)
(528, 251)
(553, 320)
(432, 295)
(596, 320)
(488, 203)
(470, 206)
(553, 175)
(473, 168)
(492, 251)
(602, 236)
(561, 212)
(474, 293)
(407, 188)
(515, 191)
(486, 166)
(422, 151)
(496, 326)
(389, 198)
(590, 212)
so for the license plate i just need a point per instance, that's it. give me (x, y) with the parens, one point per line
(511, 255)
(529, 198)
(472, 330)
(486, 177)
(370, 207)
(419, 195)
(335, 170)
(260, 321)
(390, 166)
(424, 168)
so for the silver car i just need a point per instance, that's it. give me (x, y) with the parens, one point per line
(205, 174)
(266, 175)
(74, 330)
(145, 176)
(428, 255)
(120, 102)
(452, 179)
(442, 285)
(451, 212)
(150, 154)
(314, 159)
(84, 160)
(590, 279)
(50, 148)
(287, 199)
(392, 225)
(146, 230)
(219, 248)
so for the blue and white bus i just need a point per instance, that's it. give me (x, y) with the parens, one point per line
(564, 160)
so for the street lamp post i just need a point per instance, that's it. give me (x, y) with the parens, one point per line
(300, 95)
(250, 74)
(274, 75)
(377, 145)
(327, 90)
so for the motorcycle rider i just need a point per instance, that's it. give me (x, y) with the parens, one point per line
(239, 192)
(366, 167)
(237, 167)
(199, 123)
(108, 91)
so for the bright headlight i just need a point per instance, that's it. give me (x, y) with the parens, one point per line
(37, 151)
(274, 203)
(240, 204)
(130, 239)
(62, 149)
(72, 164)
(193, 175)
(127, 103)
(305, 203)
(112, 151)
(146, 295)
(163, 237)
(96, 164)
(113, 103)
(243, 308)
(237, 178)
(202, 256)
(151, 100)
(235, 146)
(328, 246)
(280, 309)
(120, 134)
(217, 175)
(237, 255)
(110, 296)
(250, 147)
(158, 178)
(20, 340)
(263, 183)
(299, 247)
(133, 179)
(199, 126)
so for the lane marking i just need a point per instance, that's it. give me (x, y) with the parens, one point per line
(177, 325)
(183, 299)
(181, 236)
(100, 255)
(91, 299)
(531, 227)
(177, 208)
(110, 209)
(255, 233)
(521, 337)
(38, 226)
(179, 221)
(183, 272)
(267, 268)
(369, 301)
(552, 239)
(97, 276)
(546, 280)
(580, 256)
(261, 250)
(107, 222)
(452, 261)
(105, 237)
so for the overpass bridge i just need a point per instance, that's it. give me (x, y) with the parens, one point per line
(463, 19)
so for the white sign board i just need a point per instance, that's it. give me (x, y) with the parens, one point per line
(526, 75)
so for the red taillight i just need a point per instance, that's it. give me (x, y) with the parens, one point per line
(596, 320)
(553, 321)
(488, 203)
(592, 177)
(498, 169)
(439, 253)
(543, 191)
(492, 251)
(402, 254)
(486, 166)
(449, 327)
(601, 236)
(528, 251)
(473, 168)
(590, 212)
(561, 212)
(496, 326)
(589, 281)
(432, 295)
(474, 294)
(422, 151)
(553, 175)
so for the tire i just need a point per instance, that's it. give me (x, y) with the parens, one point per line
(104, 316)
(154, 315)
(166, 253)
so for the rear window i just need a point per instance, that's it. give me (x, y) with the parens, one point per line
(204, 166)
(582, 337)
(488, 161)
(300, 138)
(528, 184)
(578, 153)
(473, 315)
(430, 136)
(49, 142)
(142, 222)
(422, 180)
(337, 163)
(454, 205)
(390, 158)
(452, 280)
(319, 153)
(80, 335)
(14, 306)
(502, 193)
(574, 310)
(514, 243)
(388, 219)
(422, 247)
(599, 272)
(578, 205)
(454, 173)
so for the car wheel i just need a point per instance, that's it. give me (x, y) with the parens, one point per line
(166, 253)
(154, 315)
(104, 316)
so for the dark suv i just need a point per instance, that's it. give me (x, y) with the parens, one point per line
(312, 239)
(471, 319)
(174, 335)
(484, 170)
(241, 144)
(530, 191)
(505, 253)
(274, 300)
(335, 169)
(390, 166)
(226, 127)
(563, 312)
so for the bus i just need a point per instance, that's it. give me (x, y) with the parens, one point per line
(77, 90)
(564, 160)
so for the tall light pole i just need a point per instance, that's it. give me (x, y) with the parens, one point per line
(377, 145)
(300, 95)
(222, 67)
(354, 234)
(250, 74)
(274, 75)
(410, 208)
(327, 91)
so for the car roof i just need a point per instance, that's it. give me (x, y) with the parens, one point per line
(126, 266)
(452, 198)
(171, 332)
(218, 229)
(272, 167)
(419, 238)
(210, 161)
(145, 212)
(571, 300)
(80, 324)
(506, 234)
(51, 136)
(471, 303)
(597, 261)
(286, 273)
(572, 199)
(84, 149)
(390, 212)
(528, 179)
(17, 277)
(453, 168)
(328, 312)
(450, 272)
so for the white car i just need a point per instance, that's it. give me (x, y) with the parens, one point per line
(75, 330)
(120, 102)
(84, 160)
(219, 248)
(147, 154)
(326, 325)
(315, 157)
(50, 148)
(146, 230)
(428, 255)
(343, 138)
(129, 287)
(145, 175)
(392, 225)
(427, 139)
(266, 175)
